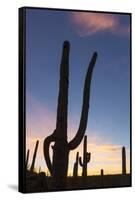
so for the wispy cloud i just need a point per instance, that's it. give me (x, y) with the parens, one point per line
(108, 148)
(40, 121)
(87, 24)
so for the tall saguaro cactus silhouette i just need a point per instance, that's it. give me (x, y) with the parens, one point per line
(34, 156)
(58, 167)
(86, 158)
(123, 160)
(75, 169)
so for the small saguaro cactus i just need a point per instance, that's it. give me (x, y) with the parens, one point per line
(34, 157)
(123, 160)
(75, 169)
(27, 159)
(102, 177)
(86, 158)
(102, 172)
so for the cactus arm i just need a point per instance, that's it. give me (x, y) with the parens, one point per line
(80, 162)
(85, 108)
(46, 146)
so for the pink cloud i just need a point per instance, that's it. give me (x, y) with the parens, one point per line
(90, 23)
(40, 121)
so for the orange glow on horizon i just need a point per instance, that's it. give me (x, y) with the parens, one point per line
(103, 156)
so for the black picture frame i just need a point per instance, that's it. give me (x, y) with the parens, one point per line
(22, 98)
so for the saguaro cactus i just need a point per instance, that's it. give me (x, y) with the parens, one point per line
(123, 160)
(102, 177)
(102, 172)
(75, 169)
(34, 156)
(86, 158)
(59, 166)
(27, 159)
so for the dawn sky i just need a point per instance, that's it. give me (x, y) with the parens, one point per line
(108, 127)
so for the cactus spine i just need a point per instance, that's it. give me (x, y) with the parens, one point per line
(34, 157)
(75, 169)
(59, 166)
(123, 160)
(86, 158)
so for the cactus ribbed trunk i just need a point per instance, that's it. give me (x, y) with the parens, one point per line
(58, 167)
(75, 169)
(86, 158)
(60, 148)
(123, 160)
(34, 157)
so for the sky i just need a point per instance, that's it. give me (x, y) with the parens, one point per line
(108, 127)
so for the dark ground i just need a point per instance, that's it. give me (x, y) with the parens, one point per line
(41, 183)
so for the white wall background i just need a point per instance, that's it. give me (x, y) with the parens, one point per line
(9, 97)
